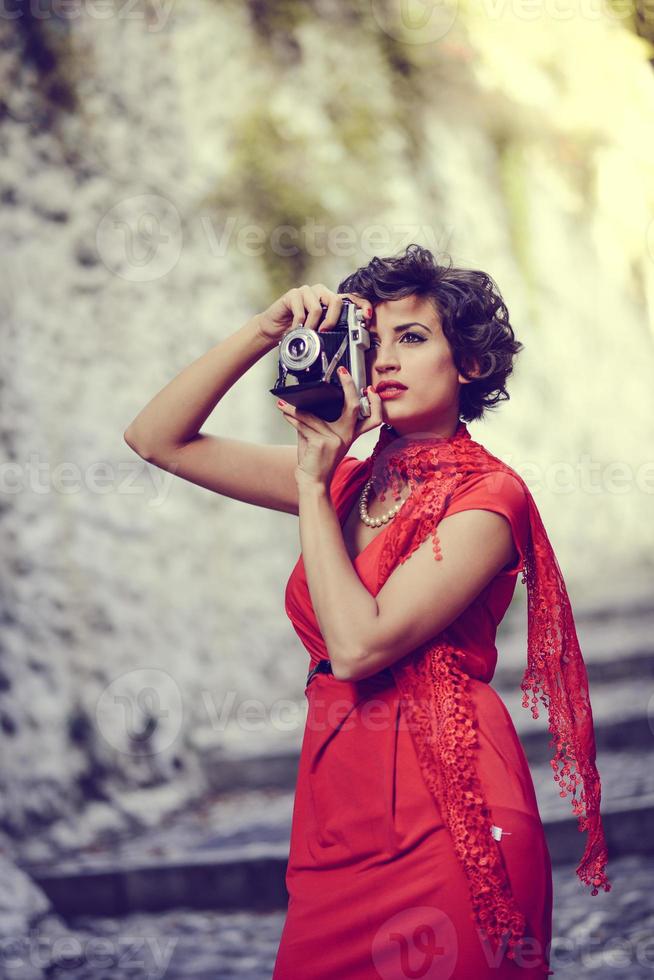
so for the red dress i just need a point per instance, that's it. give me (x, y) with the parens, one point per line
(375, 887)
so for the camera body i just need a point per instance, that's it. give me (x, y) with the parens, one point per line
(308, 361)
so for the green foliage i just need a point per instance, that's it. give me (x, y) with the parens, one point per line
(271, 179)
(638, 16)
(275, 17)
(513, 180)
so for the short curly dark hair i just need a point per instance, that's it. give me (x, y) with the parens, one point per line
(474, 318)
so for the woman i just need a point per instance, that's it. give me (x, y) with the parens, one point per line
(417, 849)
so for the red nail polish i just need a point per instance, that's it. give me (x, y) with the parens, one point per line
(343, 370)
(280, 401)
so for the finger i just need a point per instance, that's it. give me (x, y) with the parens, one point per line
(312, 306)
(334, 304)
(361, 301)
(349, 389)
(302, 429)
(312, 422)
(376, 417)
(297, 305)
(291, 420)
(376, 405)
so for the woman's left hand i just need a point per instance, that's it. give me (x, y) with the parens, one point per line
(322, 445)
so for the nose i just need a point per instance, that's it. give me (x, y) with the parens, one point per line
(385, 358)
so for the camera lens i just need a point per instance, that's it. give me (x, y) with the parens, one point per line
(300, 349)
(297, 347)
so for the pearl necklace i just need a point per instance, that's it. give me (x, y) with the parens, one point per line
(363, 509)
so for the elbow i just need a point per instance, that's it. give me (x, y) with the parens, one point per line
(128, 436)
(346, 667)
(340, 671)
(133, 444)
(359, 666)
(355, 662)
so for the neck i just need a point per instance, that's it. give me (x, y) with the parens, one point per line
(443, 427)
(397, 459)
(410, 436)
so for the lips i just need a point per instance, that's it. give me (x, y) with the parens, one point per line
(390, 386)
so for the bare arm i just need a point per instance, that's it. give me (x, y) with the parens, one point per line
(174, 416)
(365, 634)
(167, 431)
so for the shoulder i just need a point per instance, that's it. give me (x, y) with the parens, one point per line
(504, 486)
(500, 491)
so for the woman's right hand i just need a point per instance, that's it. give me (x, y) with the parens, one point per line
(302, 306)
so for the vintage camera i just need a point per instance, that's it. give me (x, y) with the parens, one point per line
(308, 361)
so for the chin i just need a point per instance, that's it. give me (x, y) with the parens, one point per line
(406, 423)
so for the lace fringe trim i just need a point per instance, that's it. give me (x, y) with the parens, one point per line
(434, 690)
(444, 733)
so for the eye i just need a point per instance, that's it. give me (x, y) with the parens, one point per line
(409, 333)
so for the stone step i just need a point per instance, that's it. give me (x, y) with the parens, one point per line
(279, 770)
(616, 642)
(606, 936)
(241, 863)
(623, 715)
(253, 816)
(603, 670)
(618, 646)
(623, 776)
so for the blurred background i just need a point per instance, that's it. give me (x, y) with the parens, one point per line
(169, 169)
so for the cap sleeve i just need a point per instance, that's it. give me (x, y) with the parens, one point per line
(504, 494)
(344, 473)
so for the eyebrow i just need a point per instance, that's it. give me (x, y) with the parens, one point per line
(403, 326)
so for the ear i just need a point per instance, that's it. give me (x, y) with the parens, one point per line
(473, 370)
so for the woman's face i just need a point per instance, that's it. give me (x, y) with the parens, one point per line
(407, 345)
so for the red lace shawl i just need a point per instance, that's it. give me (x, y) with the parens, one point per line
(433, 688)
